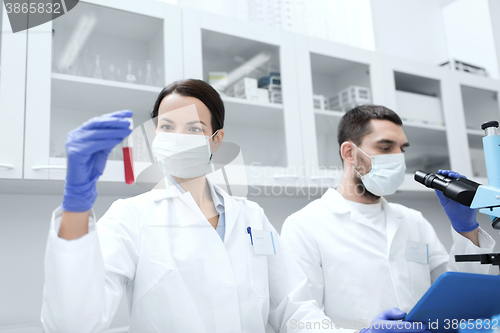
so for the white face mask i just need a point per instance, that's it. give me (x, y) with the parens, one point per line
(387, 173)
(183, 155)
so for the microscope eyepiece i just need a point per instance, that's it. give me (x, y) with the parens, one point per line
(491, 123)
(461, 190)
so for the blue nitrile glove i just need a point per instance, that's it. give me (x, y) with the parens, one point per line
(389, 322)
(88, 148)
(463, 219)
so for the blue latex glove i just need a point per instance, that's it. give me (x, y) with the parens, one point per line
(88, 148)
(463, 219)
(389, 322)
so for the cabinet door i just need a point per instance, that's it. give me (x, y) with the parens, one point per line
(12, 99)
(38, 89)
(327, 72)
(238, 54)
(100, 57)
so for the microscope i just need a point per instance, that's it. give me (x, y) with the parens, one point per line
(486, 198)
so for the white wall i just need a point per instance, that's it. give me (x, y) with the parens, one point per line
(23, 236)
(495, 23)
(411, 29)
(469, 33)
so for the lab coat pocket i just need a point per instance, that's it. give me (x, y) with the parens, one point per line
(258, 273)
(420, 276)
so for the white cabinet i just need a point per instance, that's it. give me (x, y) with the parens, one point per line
(111, 55)
(325, 68)
(12, 99)
(416, 92)
(268, 132)
(101, 57)
(479, 96)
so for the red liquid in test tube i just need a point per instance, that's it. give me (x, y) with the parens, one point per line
(128, 157)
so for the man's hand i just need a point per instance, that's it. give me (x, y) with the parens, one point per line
(389, 321)
(463, 218)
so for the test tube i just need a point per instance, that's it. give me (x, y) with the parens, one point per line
(128, 157)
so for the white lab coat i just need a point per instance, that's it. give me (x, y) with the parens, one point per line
(178, 274)
(356, 272)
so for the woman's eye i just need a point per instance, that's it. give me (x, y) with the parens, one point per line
(195, 129)
(167, 127)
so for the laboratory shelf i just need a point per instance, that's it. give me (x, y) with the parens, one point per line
(71, 106)
(331, 75)
(475, 132)
(113, 172)
(476, 152)
(241, 101)
(480, 105)
(267, 133)
(408, 124)
(417, 84)
(233, 54)
(276, 140)
(258, 129)
(240, 112)
(428, 150)
(99, 41)
(70, 90)
(329, 113)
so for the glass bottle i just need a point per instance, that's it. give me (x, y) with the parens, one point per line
(112, 76)
(97, 68)
(130, 77)
(149, 76)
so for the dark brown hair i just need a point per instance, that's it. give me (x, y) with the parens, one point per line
(198, 89)
(355, 124)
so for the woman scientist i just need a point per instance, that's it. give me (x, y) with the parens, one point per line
(184, 255)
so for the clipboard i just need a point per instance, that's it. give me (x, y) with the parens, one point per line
(457, 296)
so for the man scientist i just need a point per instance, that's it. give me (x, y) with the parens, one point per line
(362, 254)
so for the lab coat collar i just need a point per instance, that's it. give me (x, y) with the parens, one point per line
(164, 189)
(171, 181)
(393, 219)
(232, 207)
(339, 205)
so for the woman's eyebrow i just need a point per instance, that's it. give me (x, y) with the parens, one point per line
(167, 120)
(195, 122)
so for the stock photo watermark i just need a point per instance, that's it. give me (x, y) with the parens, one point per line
(357, 324)
(307, 181)
(26, 14)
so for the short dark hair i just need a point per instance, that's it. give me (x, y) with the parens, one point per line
(198, 89)
(355, 124)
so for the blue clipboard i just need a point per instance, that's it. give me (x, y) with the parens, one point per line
(457, 296)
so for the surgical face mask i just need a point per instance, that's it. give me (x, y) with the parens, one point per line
(183, 155)
(386, 175)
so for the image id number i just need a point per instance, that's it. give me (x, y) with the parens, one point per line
(471, 324)
(33, 8)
